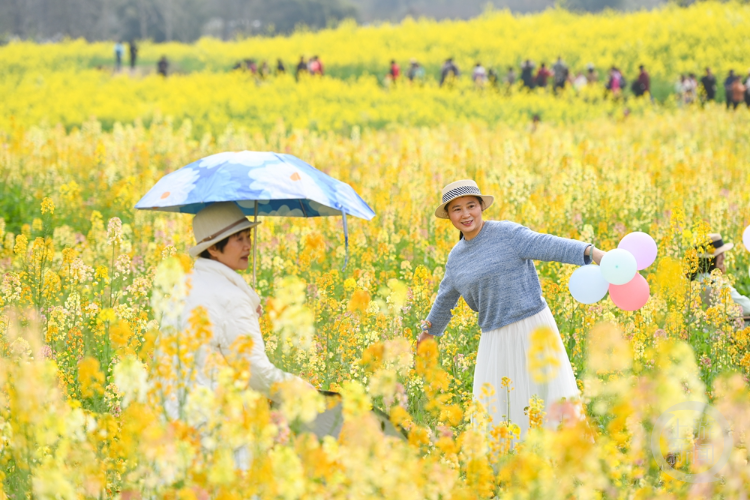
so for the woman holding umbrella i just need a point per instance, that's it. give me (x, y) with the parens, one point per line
(223, 245)
(492, 268)
(221, 190)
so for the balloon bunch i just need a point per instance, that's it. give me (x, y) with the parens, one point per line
(617, 274)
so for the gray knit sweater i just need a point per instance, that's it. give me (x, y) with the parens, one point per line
(494, 272)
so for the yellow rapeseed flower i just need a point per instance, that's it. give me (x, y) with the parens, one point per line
(48, 206)
(90, 377)
(544, 355)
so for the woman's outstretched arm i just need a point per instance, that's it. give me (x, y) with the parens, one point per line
(547, 247)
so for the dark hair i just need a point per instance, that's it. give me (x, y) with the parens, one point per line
(460, 233)
(705, 265)
(220, 245)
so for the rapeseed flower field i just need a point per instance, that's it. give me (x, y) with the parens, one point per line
(85, 363)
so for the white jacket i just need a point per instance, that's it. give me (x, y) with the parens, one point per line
(231, 304)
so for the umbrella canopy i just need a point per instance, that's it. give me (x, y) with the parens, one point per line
(262, 184)
(283, 186)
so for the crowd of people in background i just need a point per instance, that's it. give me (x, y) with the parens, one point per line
(688, 88)
(314, 67)
(736, 88)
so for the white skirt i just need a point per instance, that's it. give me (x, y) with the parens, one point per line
(504, 353)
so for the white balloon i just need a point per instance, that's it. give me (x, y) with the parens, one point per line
(618, 266)
(746, 238)
(587, 285)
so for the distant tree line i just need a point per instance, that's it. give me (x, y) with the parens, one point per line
(188, 20)
(164, 20)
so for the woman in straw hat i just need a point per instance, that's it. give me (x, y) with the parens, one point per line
(222, 233)
(712, 257)
(492, 268)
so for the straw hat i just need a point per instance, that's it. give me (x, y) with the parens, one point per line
(715, 245)
(458, 189)
(216, 222)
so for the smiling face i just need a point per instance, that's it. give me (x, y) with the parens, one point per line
(236, 252)
(466, 214)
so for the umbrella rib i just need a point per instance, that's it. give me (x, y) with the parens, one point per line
(302, 206)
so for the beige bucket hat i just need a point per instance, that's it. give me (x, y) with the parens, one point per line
(216, 222)
(458, 189)
(715, 245)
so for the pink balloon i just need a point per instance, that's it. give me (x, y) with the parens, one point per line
(642, 246)
(632, 295)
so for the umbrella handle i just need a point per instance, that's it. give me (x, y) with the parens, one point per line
(255, 239)
(346, 241)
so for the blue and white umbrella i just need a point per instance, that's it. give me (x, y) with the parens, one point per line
(262, 184)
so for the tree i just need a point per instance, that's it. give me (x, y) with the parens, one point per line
(591, 5)
(286, 15)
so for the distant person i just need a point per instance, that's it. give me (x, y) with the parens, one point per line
(691, 88)
(527, 74)
(728, 88)
(395, 71)
(301, 68)
(592, 76)
(708, 82)
(479, 75)
(542, 76)
(738, 92)
(449, 68)
(264, 70)
(162, 67)
(615, 83)
(416, 71)
(561, 73)
(535, 120)
(679, 89)
(711, 259)
(580, 82)
(119, 53)
(510, 77)
(642, 84)
(280, 68)
(411, 74)
(133, 48)
(316, 66)
(492, 78)
(623, 80)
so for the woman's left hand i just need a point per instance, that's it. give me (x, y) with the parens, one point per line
(598, 254)
(259, 310)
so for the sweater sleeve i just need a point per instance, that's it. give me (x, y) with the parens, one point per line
(740, 300)
(446, 300)
(242, 321)
(546, 247)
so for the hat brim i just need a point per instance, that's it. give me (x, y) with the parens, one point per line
(197, 249)
(487, 201)
(723, 248)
